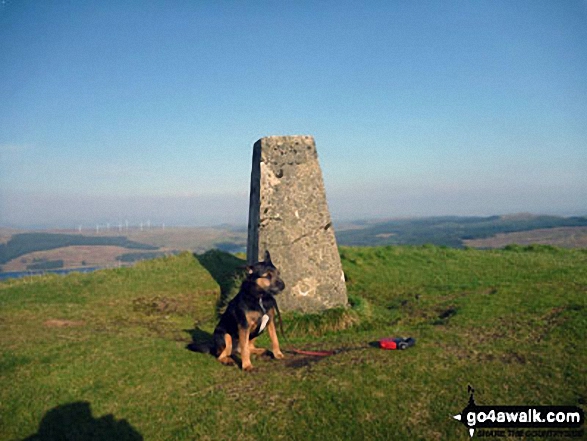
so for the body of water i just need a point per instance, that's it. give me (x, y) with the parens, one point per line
(19, 274)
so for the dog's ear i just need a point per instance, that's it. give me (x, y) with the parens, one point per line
(268, 258)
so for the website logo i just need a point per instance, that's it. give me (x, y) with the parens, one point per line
(516, 420)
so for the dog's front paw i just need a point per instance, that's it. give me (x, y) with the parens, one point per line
(279, 355)
(247, 367)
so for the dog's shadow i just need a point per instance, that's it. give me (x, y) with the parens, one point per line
(228, 271)
(201, 340)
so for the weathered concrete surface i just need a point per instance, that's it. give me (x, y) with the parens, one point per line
(288, 216)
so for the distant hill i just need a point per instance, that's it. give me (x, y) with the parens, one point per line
(19, 250)
(7, 233)
(197, 239)
(563, 237)
(448, 231)
(24, 243)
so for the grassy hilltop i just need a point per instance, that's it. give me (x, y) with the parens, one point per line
(104, 353)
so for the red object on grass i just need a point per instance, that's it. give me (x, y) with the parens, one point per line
(396, 343)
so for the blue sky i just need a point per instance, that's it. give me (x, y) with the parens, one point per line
(144, 110)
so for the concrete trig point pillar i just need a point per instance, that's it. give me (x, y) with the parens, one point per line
(288, 216)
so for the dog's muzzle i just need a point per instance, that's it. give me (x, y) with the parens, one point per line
(278, 287)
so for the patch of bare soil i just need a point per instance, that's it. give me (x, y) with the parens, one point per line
(73, 257)
(180, 304)
(58, 323)
(385, 235)
(6, 234)
(565, 237)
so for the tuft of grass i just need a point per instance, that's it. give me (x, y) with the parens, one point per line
(322, 323)
(357, 315)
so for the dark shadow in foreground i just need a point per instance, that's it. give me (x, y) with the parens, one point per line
(74, 421)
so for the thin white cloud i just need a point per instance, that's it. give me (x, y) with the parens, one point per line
(11, 149)
(27, 209)
(475, 200)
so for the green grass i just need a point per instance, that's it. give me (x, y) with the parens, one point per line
(512, 323)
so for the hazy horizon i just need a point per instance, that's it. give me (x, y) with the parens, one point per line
(149, 111)
(114, 225)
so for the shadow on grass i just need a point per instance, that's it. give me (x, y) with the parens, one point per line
(227, 270)
(201, 340)
(74, 421)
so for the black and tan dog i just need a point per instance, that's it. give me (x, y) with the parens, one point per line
(248, 314)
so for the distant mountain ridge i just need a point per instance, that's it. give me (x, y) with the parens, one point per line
(24, 243)
(450, 231)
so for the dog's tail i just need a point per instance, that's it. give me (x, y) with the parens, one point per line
(202, 347)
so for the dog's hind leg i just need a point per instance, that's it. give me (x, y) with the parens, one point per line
(225, 355)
